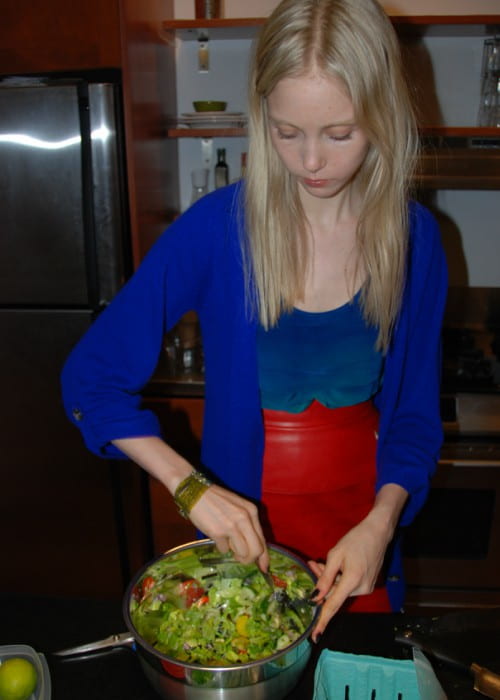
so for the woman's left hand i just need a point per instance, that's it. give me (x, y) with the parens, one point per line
(353, 565)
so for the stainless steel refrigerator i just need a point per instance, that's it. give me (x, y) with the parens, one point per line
(64, 253)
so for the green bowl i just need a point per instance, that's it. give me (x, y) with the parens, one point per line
(209, 106)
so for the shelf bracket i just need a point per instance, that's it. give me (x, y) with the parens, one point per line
(207, 152)
(203, 53)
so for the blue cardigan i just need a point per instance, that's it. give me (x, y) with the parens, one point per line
(196, 265)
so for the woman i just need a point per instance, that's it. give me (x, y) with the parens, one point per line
(320, 292)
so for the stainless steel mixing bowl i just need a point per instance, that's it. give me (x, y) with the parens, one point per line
(270, 678)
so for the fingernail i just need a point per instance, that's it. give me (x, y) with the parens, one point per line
(314, 593)
(317, 637)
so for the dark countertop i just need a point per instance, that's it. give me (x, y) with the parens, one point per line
(163, 385)
(49, 624)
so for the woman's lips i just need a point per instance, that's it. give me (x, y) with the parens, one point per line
(315, 183)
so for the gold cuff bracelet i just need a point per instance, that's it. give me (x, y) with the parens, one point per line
(189, 491)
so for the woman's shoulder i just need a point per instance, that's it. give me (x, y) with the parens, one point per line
(203, 221)
(424, 228)
(219, 210)
(223, 200)
(421, 218)
(426, 250)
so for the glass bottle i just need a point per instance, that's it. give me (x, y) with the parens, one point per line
(221, 169)
(243, 164)
(199, 179)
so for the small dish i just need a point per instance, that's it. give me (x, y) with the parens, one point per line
(209, 106)
(43, 688)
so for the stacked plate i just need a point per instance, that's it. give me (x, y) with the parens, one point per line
(207, 120)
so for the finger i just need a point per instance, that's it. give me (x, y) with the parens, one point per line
(222, 544)
(248, 549)
(330, 576)
(263, 560)
(249, 531)
(239, 546)
(331, 605)
(258, 531)
(317, 568)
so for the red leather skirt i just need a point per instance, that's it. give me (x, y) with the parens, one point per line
(319, 481)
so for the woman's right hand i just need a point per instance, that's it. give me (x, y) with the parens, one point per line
(230, 520)
(233, 524)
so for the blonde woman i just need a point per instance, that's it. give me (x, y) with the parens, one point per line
(320, 289)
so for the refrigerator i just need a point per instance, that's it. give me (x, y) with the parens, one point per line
(70, 523)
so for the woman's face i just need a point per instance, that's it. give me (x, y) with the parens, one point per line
(314, 133)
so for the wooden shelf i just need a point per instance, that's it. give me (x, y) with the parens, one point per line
(443, 163)
(452, 157)
(187, 133)
(190, 29)
(439, 25)
(447, 25)
(219, 23)
(460, 169)
(466, 132)
(460, 158)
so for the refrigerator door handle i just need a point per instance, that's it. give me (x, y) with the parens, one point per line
(110, 212)
(88, 190)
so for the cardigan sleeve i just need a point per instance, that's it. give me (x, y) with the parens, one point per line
(105, 373)
(410, 431)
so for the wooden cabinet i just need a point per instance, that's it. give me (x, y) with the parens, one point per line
(56, 35)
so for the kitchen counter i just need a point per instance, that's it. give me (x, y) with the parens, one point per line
(49, 624)
(163, 385)
(160, 387)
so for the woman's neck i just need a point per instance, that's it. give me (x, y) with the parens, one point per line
(332, 213)
(333, 271)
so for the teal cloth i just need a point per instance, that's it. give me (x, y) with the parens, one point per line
(329, 356)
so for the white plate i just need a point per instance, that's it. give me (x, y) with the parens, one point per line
(212, 115)
(209, 120)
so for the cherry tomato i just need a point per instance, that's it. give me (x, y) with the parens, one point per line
(141, 589)
(147, 585)
(191, 590)
(201, 601)
(137, 592)
(278, 582)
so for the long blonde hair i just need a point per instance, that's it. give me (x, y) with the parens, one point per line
(354, 41)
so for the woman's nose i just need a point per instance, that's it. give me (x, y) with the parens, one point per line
(313, 157)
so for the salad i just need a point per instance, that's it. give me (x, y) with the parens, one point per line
(199, 606)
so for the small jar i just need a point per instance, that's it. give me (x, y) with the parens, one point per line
(207, 9)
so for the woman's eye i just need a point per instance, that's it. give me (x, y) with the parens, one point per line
(341, 137)
(286, 135)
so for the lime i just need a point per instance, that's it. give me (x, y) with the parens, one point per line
(18, 678)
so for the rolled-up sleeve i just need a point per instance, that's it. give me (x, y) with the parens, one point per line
(106, 371)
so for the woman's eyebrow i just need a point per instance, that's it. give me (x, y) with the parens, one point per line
(285, 122)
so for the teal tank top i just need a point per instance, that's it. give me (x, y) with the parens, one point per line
(329, 356)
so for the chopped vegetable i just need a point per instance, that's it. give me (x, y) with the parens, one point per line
(219, 612)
